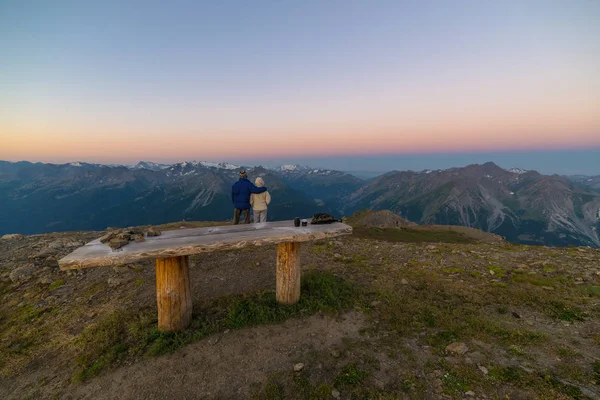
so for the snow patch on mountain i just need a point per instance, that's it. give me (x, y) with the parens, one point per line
(517, 171)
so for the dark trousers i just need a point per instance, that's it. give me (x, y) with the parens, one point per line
(236, 216)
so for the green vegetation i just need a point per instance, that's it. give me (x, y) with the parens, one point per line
(497, 271)
(120, 334)
(56, 284)
(536, 280)
(594, 291)
(411, 235)
(350, 375)
(565, 312)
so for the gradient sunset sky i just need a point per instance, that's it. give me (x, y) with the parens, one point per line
(122, 81)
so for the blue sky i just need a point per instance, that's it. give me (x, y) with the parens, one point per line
(368, 82)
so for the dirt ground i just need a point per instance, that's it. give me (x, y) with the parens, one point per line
(528, 317)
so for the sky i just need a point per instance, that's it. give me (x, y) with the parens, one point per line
(373, 85)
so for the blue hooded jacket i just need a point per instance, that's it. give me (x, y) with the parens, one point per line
(240, 193)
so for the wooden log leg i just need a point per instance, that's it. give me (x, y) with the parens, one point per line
(288, 273)
(173, 293)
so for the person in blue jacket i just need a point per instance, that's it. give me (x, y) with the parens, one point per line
(240, 196)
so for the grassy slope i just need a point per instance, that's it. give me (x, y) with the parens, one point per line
(418, 298)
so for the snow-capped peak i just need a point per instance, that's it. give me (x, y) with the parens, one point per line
(76, 164)
(149, 165)
(221, 165)
(207, 164)
(517, 171)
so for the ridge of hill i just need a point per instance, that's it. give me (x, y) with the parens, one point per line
(522, 206)
(428, 318)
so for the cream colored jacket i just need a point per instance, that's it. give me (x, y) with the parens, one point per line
(260, 201)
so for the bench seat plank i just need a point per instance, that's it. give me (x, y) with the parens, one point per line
(183, 242)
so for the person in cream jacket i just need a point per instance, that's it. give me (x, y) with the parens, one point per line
(260, 202)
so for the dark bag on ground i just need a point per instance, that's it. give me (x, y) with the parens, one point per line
(322, 218)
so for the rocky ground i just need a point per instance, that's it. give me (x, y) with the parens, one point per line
(380, 317)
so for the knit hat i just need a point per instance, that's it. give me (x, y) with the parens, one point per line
(243, 173)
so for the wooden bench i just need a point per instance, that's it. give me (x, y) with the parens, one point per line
(172, 248)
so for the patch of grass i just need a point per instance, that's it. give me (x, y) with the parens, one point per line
(497, 271)
(534, 279)
(56, 284)
(593, 291)
(516, 350)
(596, 368)
(350, 375)
(320, 292)
(304, 389)
(101, 344)
(559, 310)
(547, 268)
(139, 282)
(410, 235)
(451, 270)
(567, 352)
(507, 374)
(319, 248)
(563, 388)
(123, 333)
(475, 274)
(454, 383)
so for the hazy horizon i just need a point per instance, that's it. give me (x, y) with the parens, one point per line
(268, 80)
(570, 162)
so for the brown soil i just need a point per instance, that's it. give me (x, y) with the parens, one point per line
(415, 300)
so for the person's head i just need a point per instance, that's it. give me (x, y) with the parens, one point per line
(259, 182)
(243, 174)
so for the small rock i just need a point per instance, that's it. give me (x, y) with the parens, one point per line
(335, 393)
(107, 237)
(298, 367)
(578, 279)
(45, 280)
(475, 358)
(226, 331)
(117, 243)
(470, 393)
(22, 274)
(516, 315)
(120, 269)
(12, 236)
(404, 281)
(153, 232)
(57, 244)
(452, 360)
(459, 348)
(338, 243)
(431, 247)
(547, 288)
(335, 353)
(337, 255)
(258, 263)
(114, 282)
(375, 303)
(138, 238)
(492, 272)
(483, 369)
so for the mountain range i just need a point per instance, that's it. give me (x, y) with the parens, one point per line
(523, 206)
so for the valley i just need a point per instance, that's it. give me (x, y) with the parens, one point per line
(522, 206)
